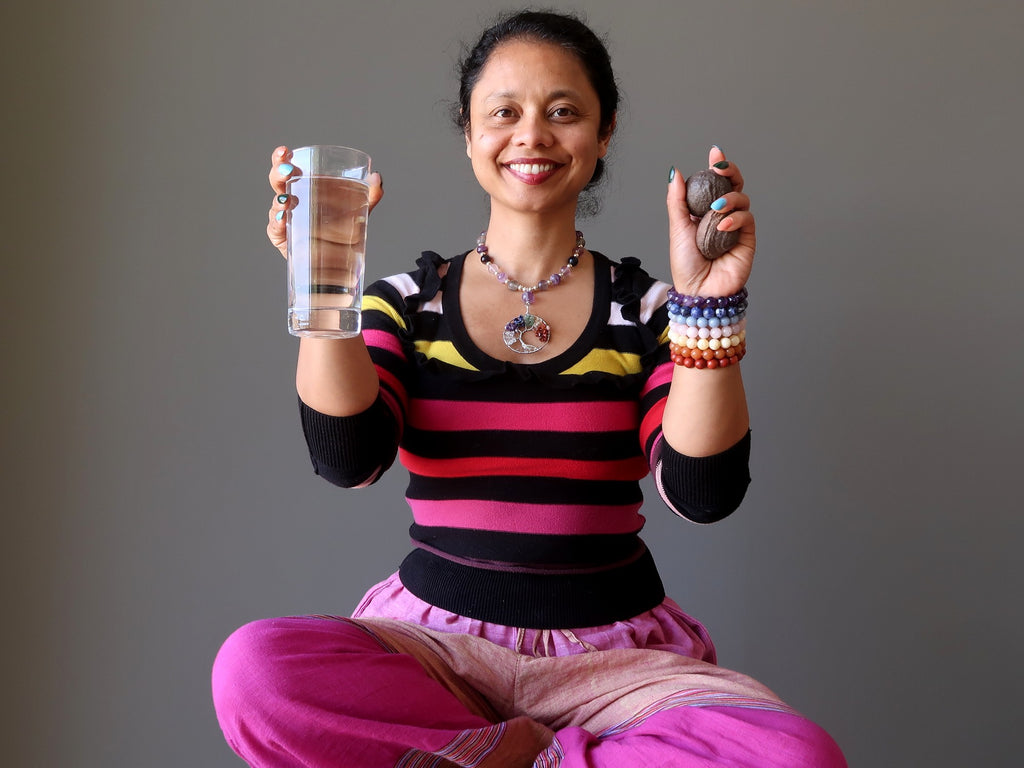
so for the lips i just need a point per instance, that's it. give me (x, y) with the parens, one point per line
(532, 171)
(531, 168)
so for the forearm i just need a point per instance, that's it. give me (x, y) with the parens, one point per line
(706, 411)
(336, 376)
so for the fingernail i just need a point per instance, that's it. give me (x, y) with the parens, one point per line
(724, 224)
(715, 146)
(719, 204)
(279, 216)
(285, 168)
(282, 199)
(671, 174)
(722, 165)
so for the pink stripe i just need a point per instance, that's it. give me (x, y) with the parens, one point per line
(527, 518)
(661, 375)
(383, 340)
(394, 383)
(457, 415)
(652, 421)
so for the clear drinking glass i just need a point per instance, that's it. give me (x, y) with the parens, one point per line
(327, 241)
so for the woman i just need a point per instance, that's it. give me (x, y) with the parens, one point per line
(528, 386)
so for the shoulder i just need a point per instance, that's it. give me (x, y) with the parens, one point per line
(401, 296)
(421, 284)
(637, 296)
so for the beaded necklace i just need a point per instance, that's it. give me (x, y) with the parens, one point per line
(528, 322)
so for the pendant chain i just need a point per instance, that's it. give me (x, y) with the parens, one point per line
(528, 323)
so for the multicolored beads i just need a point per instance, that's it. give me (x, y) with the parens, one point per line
(707, 331)
(528, 322)
(529, 291)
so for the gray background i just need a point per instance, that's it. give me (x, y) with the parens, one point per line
(156, 491)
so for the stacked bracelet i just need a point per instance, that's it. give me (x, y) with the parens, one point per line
(707, 331)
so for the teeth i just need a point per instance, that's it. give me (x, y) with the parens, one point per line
(531, 169)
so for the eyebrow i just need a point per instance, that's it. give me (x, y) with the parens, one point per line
(560, 94)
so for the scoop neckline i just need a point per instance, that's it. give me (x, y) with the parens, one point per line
(599, 314)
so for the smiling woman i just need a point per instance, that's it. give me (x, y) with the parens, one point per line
(534, 134)
(561, 31)
(529, 625)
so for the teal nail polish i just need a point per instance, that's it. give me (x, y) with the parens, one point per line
(719, 204)
(279, 216)
(285, 168)
(671, 174)
(282, 199)
(722, 165)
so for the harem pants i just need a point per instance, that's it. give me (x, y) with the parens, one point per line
(406, 685)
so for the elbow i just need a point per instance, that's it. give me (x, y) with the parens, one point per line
(704, 489)
(347, 477)
(707, 511)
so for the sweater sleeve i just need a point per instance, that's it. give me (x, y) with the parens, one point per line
(350, 451)
(354, 451)
(705, 489)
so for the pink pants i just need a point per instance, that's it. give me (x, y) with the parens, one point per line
(406, 685)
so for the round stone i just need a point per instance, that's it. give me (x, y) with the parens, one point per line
(703, 188)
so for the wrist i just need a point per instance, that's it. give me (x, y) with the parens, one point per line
(707, 331)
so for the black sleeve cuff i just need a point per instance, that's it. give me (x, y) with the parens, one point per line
(350, 451)
(705, 489)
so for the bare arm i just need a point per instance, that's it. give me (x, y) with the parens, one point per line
(336, 376)
(333, 376)
(706, 412)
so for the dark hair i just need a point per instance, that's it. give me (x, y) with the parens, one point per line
(563, 30)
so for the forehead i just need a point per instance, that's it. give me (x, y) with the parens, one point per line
(527, 67)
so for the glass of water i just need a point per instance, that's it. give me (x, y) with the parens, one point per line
(326, 228)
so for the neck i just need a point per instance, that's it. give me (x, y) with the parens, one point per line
(528, 248)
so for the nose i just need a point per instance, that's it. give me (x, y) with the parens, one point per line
(533, 130)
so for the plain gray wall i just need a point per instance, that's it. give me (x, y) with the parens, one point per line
(156, 490)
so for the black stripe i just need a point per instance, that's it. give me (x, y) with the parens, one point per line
(596, 446)
(526, 490)
(578, 551)
(534, 601)
(521, 385)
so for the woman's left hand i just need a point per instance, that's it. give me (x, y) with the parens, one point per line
(691, 272)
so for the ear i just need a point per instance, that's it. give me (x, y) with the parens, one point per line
(605, 139)
(465, 134)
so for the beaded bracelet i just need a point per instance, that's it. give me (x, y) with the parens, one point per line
(683, 334)
(706, 302)
(707, 327)
(707, 331)
(707, 358)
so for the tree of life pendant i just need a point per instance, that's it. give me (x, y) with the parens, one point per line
(526, 325)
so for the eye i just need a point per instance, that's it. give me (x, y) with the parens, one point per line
(563, 112)
(503, 113)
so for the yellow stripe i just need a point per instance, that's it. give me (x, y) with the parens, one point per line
(378, 304)
(663, 339)
(445, 352)
(607, 361)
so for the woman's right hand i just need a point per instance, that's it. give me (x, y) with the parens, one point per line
(280, 171)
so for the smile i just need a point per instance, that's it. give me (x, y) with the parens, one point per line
(531, 169)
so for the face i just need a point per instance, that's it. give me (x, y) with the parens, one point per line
(534, 133)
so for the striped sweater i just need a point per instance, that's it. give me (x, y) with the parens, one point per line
(524, 478)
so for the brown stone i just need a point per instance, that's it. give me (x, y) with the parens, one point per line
(703, 188)
(710, 241)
